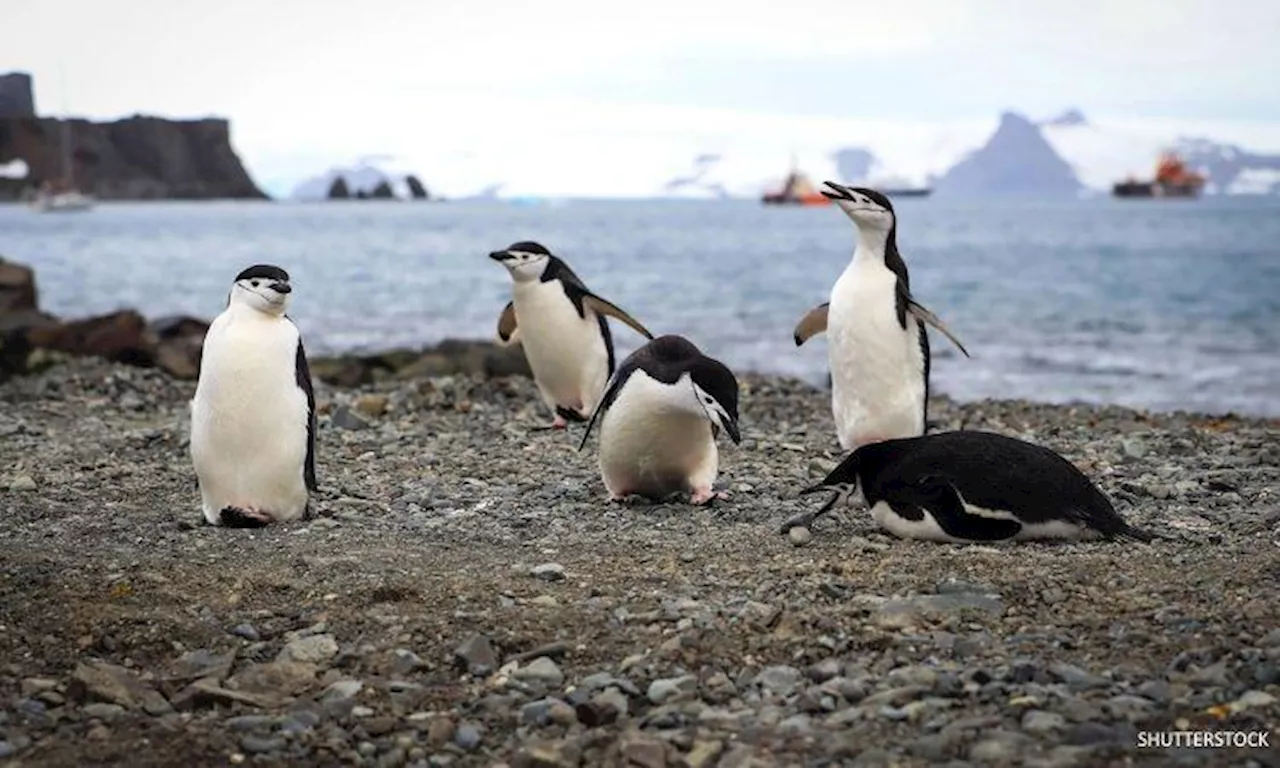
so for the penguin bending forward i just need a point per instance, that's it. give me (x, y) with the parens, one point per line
(659, 419)
(878, 348)
(562, 326)
(253, 417)
(967, 486)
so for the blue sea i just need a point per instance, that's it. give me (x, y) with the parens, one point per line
(1156, 304)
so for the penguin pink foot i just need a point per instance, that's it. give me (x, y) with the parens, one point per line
(702, 496)
(242, 517)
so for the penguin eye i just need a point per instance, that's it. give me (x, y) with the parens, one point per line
(254, 283)
(709, 400)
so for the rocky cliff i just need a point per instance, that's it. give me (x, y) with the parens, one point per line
(137, 158)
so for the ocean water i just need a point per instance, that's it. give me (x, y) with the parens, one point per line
(1155, 304)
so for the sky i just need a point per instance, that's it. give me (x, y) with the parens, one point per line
(308, 84)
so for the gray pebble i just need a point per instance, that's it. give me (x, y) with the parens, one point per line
(1037, 721)
(476, 655)
(22, 483)
(672, 688)
(467, 736)
(255, 744)
(345, 418)
(548, 572)
(311, 649)
(799, 536)
(247, 631)
(104, 712)
(542, 670)
(779, 680)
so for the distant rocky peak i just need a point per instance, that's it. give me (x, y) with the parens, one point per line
(1072, 116)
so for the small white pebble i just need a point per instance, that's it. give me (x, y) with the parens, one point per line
(799, 536)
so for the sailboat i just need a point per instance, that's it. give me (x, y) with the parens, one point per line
(62, 195)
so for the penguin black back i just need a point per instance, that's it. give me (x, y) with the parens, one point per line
(987, 471)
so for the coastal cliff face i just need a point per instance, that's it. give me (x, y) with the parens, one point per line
(138, 158)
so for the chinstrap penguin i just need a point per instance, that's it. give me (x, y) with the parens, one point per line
(967, 486)
(562, 327)
(253, 417)
(659, 419)
(878, 346)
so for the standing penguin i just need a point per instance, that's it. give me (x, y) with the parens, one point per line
(659, 420)
(562, 326)
(253, 417)
(879, 349)
(966, 486)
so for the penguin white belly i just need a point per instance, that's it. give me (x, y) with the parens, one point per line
(566, 353)
(651, 448)
(927, 528)
(249, 419)
(877, 368)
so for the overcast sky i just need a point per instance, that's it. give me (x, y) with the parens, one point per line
(321, 78)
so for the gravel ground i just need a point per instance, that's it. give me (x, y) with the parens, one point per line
(467, 597)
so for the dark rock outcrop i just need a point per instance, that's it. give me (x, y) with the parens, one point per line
(416, 190)
(172, 344)
(1016, 160)
(448, 358)
(138, 158)
(382, 192)
(17, 288)
(17, 98)
(338, 190)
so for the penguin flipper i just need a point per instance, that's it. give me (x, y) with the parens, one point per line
(940, 499)
(813, 323)
(602, 307)
(924, 315)
(507, 325)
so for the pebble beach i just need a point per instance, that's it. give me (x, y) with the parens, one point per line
(465, 596)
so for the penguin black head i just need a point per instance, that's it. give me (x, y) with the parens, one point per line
(868, 208)
(525, 260)
(264, 287)
(714, 387)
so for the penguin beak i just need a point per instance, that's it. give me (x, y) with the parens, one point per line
(281, 287)
(731, 426)
(837, 192)
(500, 255)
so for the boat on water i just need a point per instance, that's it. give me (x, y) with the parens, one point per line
(1172, 179)
(62, 195)
(796, 189)
(905, 191)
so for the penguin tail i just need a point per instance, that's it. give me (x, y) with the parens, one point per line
(235, 517)
(1127, 533)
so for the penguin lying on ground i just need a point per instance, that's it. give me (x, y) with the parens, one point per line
(659, 419)
(562, 326)
(253, 416)
(878, 346)
(967, 486)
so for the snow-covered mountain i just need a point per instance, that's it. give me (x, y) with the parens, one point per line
(365, 175)
(1067, 155)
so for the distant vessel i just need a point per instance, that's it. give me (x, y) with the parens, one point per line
(62, 195)
(797, 189)
(1172, 180)
(905, 191)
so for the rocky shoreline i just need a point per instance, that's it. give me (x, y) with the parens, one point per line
(465, 596)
